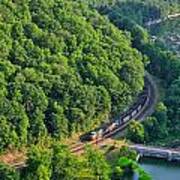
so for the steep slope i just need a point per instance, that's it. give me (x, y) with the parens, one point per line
(140, 11)
(63, 67)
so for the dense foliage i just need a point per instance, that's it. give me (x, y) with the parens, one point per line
(56, 163)
(156, 126)
(159, 61)
(125, 165)
(140, 11)
(135, 132)
(8, 173)
(128, 167)
(167, 35)
(63, 68)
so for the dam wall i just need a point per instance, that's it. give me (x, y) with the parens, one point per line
(159, 153)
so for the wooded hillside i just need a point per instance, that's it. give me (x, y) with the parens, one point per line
(64, 68)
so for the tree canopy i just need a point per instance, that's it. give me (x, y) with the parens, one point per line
(58, 163)
(64, 68)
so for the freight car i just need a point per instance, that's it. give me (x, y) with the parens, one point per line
(124, 118)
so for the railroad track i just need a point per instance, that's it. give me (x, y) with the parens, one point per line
(146, 110)
(147, 106)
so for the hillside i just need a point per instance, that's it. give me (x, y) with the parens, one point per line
(167, 34)
(140, 11)
(162, 52)
(64, 68)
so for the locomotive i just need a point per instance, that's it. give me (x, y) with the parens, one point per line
(100, 132)
(124, 118)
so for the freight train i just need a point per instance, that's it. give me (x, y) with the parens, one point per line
(125, 117)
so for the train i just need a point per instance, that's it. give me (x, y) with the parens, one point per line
(125, 117)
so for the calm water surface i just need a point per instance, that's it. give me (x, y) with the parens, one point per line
(161, 170)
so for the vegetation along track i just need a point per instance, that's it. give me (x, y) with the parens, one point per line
(147, 109)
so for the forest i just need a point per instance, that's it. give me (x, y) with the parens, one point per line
(141, 11)
(64, 69)
(68, 66)
(164, 64)
(55, 162)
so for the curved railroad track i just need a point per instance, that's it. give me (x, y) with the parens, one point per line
(147, 107)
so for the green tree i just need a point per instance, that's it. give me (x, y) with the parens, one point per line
(8, 173)
(125, 166)
(57, 123)
(162, 118)
(173, 103)
(136, 132)
(38, 164)
(65, 165)
(65, 53)
(97, 163)
(68, 166)
(156, 126)
(8, 136)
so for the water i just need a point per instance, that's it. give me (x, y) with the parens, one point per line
(161, 169)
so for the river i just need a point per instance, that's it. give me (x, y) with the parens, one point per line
(161, 169)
